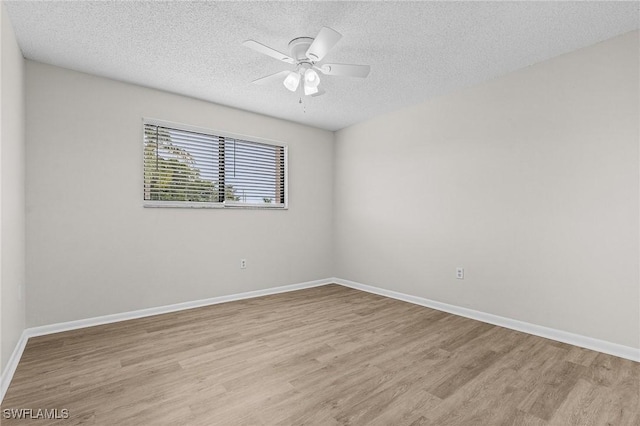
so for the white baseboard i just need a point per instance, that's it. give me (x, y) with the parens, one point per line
(10, 369)
(610, 348)
(615, 349)
(124, 316)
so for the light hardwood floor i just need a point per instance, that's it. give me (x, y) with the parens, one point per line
(324, 356)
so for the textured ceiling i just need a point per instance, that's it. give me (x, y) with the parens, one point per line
(416, 50)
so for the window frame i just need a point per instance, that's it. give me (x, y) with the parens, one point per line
(220, 205)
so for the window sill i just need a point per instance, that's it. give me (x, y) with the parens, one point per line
(188, 205)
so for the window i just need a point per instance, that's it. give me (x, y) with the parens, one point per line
(187, 168)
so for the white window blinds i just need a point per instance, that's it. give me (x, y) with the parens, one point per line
(189, 169)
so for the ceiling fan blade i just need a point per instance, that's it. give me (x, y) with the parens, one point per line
(348, 70)
(324, 41)
(266, 50)
(279, 76)
(318, 93)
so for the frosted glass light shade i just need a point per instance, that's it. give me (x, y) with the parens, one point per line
(292, 81)
(311, 78)
(309, 90)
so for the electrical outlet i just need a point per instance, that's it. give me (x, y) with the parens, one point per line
(243, 263)
(460, 273)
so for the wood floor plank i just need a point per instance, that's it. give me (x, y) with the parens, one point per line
(464, 374)
(558, 383)
(328, 355)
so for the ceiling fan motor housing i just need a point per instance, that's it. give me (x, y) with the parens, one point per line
(298, 49)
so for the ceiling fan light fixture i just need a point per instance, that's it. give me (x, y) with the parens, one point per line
(311, 78)
(292, 81)
(310, 90)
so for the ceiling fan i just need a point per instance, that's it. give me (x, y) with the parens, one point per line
(306, 53)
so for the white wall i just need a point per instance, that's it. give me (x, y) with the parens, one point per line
(92, 249)
(12, 184)
(530, 182)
